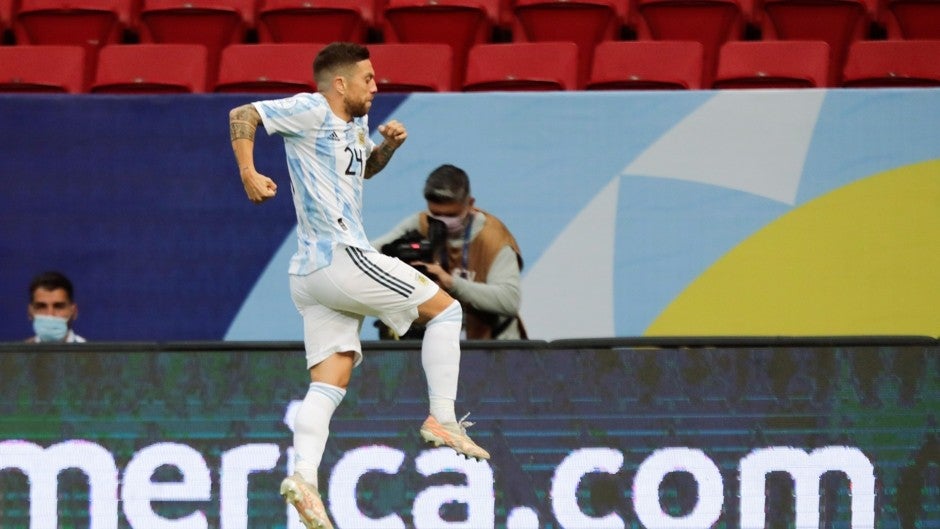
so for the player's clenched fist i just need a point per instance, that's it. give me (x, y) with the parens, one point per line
(393, 132)
(257, 186)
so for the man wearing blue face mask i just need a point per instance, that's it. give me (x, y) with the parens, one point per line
(483, 266)
(52, 309)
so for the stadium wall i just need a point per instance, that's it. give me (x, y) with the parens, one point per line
(641, 434)
(761, 213)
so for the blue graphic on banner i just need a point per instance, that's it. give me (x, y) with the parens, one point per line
(619, 200)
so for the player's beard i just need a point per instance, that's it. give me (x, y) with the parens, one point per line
(359, 108)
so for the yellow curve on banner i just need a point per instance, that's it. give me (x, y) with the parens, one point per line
(861, 260)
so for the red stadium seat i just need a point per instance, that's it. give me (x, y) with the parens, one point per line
(412, 67)
(268, 68)
(211, 23)
(583, 22)
(321, 21)
(773, 64)
(838, 22)
(151, 69)
(189, 21)
(53, 69)
(913, 19)
(892, 63)
(647, 65)
(89, 23)
(522, 66)
(458, 23)
(710, 22)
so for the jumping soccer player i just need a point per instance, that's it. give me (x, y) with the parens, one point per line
(336, 276)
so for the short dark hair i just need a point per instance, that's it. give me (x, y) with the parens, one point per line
(335, 56)
(51, 280)
(447, 183)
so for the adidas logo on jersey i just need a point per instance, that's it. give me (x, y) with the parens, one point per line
(334, 136)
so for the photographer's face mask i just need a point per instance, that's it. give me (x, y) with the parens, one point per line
(452, 214)
(454, 223)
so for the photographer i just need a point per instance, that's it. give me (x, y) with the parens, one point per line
(468, 252)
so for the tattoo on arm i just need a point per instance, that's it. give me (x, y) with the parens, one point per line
(243, 122)
(379, 159)
(241, 130)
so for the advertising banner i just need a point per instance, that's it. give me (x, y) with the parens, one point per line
(798, 212)
(581, 436)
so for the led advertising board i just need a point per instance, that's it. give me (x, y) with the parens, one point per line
(589, 437)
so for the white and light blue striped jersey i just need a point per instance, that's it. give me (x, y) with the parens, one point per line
(326, 158)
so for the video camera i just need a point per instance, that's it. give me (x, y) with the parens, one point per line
(413, 246)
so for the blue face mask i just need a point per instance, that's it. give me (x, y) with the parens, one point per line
(50, 328)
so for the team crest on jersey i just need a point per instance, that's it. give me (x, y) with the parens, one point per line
(362, 137)
(422, 279)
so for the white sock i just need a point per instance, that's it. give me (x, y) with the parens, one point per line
(440, 357)
(312, 427)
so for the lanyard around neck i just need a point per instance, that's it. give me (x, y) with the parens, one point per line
(465, 253)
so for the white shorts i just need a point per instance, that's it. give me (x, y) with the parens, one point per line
(334, 299)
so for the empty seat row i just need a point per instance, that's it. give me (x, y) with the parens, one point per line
(904, 18)
(618, 65)
(464, 23)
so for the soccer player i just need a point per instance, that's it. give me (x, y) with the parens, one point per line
(336, 276)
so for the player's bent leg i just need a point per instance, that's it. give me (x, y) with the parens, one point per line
(438, 303)
(440, 357)
(329, 378)
(325, 332)
(328, 382)
(335, 370)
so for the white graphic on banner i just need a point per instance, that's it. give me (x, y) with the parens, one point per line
(566, 301)
(754, 142)
(656, 467)
(806, 469)
(138, 490)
